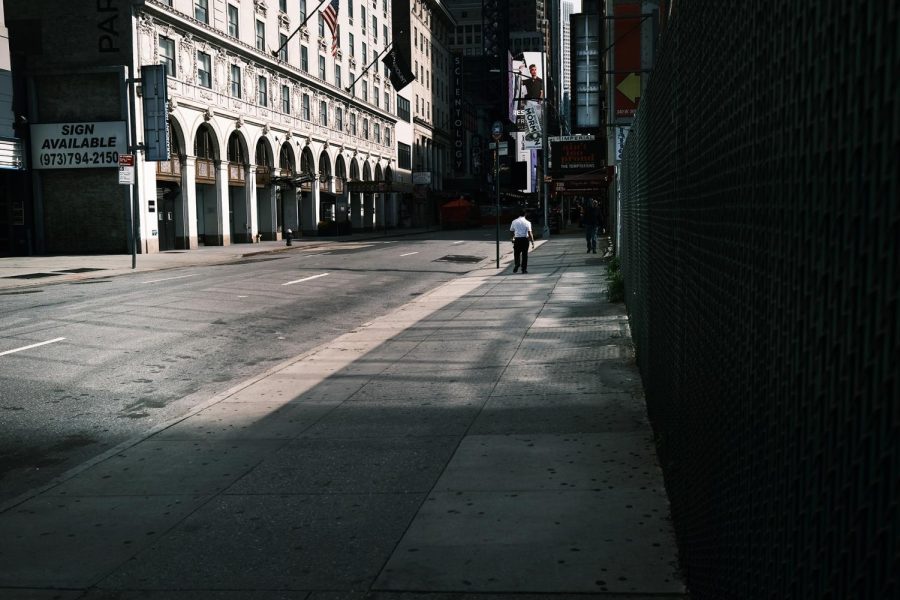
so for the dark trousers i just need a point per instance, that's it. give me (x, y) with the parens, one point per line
(520, 252)
(590, 236)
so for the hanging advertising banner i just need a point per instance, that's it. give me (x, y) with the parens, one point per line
(156, 112)
(627, 57)
(525, 145)
(399, 71)
(399, 59)
(528, 86)
(456, 110)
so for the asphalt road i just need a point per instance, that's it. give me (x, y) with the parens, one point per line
(124, 354)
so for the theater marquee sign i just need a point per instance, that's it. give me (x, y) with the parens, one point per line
(577, 156)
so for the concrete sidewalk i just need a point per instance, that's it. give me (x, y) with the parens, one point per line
(487, 440)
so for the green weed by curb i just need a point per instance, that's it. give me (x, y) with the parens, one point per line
(613, 265)
(616, 289)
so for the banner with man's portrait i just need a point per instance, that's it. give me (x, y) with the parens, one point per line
(528, 73)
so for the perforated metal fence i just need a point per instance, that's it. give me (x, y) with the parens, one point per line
(760, 245)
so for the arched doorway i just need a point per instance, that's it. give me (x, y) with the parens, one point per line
(340, 191)
(206, 150)
(393, 210)
(286, 210)
(379, 201)
(307, 213)
(368, 200)
(327, 208)
(265, 191)
(356, 217)
(169, 204)
(239, 214)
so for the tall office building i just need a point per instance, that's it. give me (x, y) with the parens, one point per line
(527, 15)
(564, 56)
(431, 26)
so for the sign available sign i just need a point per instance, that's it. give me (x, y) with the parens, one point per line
(77, 145)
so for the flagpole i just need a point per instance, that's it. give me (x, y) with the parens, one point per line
(369, 66)
(299, 27)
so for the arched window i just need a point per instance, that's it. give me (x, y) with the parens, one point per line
(306, 162)
(236, 150)
(286, 160)
(204, 144)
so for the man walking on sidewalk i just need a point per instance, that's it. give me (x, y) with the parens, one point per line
(590, 221)
(521, 230)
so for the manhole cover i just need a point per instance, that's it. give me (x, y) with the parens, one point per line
(33, 276)
(460, 258)
(79, 270)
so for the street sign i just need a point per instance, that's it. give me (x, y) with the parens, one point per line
(126, 169)
(628, 31)
(571, 138)
(497, 130)
(503, 147)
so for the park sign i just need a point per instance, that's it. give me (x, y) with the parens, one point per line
(577, 156)
(77, 145)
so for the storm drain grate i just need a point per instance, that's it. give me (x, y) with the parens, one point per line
(32, 275)
(460, 258)
(79, 270)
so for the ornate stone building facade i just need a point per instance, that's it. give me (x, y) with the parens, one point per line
(273, 119)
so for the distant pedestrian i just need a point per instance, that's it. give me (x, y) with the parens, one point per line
(521, 231)
(590, 220)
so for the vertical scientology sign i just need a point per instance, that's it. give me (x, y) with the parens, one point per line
(459, 130)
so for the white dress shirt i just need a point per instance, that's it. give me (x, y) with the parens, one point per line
(520, 227)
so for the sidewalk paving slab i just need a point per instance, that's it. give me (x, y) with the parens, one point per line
(403, 460)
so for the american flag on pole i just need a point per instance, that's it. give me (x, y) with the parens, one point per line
(330, 14)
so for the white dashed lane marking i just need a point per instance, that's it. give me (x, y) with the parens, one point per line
(32, 346)
(305, 279)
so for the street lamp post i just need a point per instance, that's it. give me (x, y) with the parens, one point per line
(497, 133)
(546, 232)
(497, 183)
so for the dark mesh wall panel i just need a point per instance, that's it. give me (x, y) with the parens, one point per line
(761, 253)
